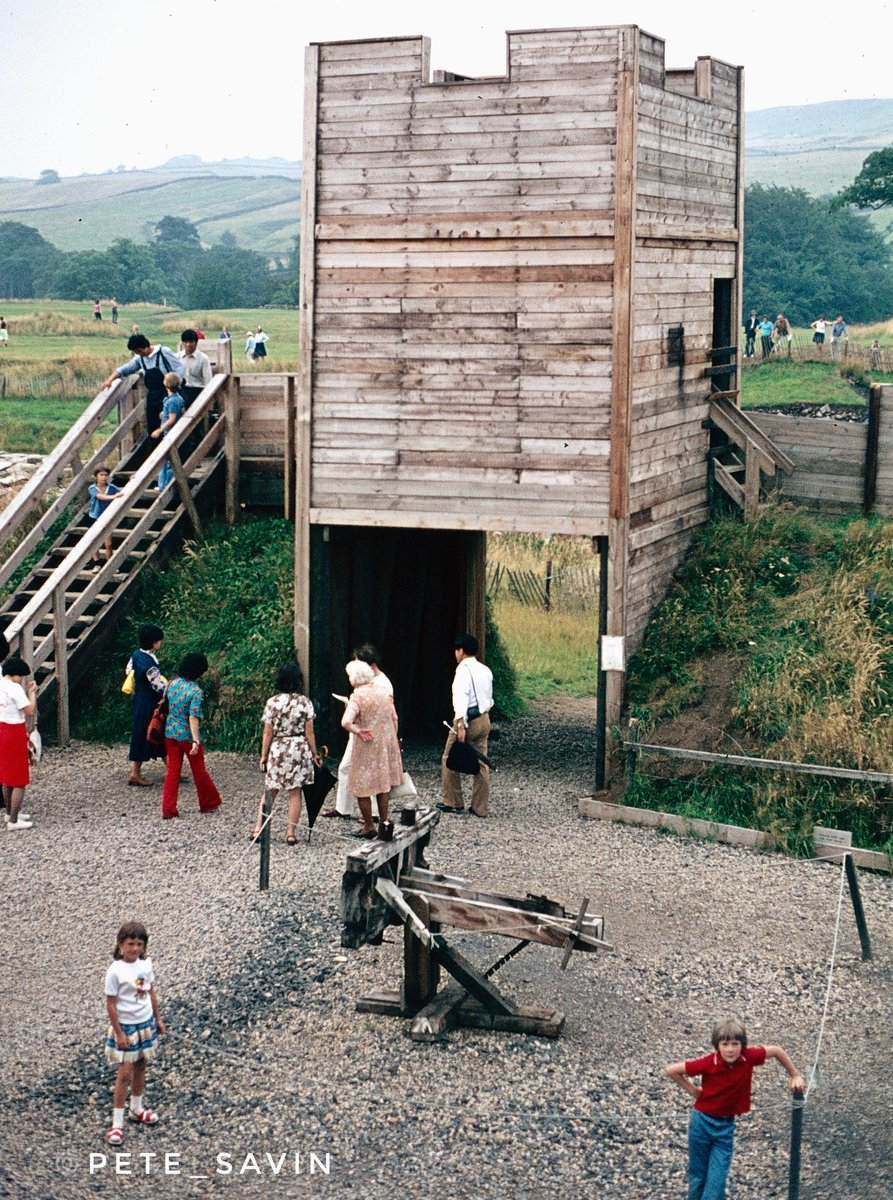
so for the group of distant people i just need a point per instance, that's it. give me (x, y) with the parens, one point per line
(97, 310)
(775, 337)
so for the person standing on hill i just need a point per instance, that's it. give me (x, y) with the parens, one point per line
(154, 363)
(4, 333)
(766, 328)
(260, 340)
(97, 311)
(783, 334)
(840, 336)
(750, 334)
(114, 311)
(249, 346)
(818, 335)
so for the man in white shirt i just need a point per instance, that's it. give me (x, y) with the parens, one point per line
(197, 365)
(472, 701)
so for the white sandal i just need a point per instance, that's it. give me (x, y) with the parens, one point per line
(144, 1117)
(115, 1136)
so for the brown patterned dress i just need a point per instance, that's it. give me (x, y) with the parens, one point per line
(289, 762)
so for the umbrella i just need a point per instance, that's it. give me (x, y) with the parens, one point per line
(315, 793)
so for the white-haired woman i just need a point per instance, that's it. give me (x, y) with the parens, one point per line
(376, 765)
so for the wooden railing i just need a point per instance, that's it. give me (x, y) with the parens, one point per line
(43, 630)
(760, 455)
(30, 501)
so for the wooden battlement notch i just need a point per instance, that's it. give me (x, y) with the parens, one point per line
(389, 883)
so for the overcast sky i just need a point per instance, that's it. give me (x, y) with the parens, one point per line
(86, 85)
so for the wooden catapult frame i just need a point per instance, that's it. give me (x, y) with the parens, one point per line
(388, 883)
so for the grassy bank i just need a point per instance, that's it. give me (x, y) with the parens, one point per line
(805, 608)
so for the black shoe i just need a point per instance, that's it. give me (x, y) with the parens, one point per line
(483, 816)
(449, 808)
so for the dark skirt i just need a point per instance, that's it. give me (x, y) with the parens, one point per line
(144, 706)
(260, 350)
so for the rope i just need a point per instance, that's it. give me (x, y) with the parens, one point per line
(815, 1066)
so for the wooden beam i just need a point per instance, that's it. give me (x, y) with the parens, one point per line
(623, 350)
(303, 429)
(185, 491)
(60, 662)
(231, 442)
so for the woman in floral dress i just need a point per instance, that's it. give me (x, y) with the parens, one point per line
(376, 765)
(288, 749)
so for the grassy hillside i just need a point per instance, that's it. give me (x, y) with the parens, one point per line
(791, 618)
(90, 211)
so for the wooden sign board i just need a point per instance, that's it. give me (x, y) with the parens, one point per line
(840, 838)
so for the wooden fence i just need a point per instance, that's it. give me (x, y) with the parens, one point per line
(801, 348)
(839, 465)
(571, 589)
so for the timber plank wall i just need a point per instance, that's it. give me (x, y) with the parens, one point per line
(491, 270)
(831, 457)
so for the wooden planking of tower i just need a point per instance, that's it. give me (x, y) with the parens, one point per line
(511, 290)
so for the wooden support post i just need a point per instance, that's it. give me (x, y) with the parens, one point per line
(852, 879)
(421, 970)
(60, 655)
(633, 734)
(289, 448)
(751, 482)
(232, 443)
(601, 715)
(264, 883)
(304, 399)
(185, 491)
(869, 493)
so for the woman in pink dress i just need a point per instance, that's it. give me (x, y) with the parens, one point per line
(377, 765)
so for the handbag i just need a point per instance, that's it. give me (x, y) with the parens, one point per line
(155, 732)
(404, 790)
(128, 687)
(315, 793)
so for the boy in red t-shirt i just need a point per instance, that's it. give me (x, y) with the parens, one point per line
(724, 1094)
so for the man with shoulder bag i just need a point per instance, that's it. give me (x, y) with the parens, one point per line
(472, 702)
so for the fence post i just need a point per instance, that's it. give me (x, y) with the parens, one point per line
(265, 844)
(548, 584)
(601, 715)
(853, 880)
(797, 1106)
(60, 655)
(632, 754)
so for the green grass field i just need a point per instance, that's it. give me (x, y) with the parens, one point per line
(766, 385)
(56, 348)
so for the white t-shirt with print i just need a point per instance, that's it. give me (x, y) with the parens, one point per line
(130, 983)
(13, 698)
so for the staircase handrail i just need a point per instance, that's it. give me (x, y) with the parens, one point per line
(54, 464)
(94, 537)
(73, 490)
(737, 425)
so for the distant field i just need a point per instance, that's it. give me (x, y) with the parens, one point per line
(90, 211)
(58, 351)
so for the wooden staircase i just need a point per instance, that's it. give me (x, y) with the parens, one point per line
(56, 599)
(743, 461)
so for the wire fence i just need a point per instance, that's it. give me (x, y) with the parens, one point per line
(567, 589)
(801, 348)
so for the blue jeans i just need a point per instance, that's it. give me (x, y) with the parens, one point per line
(165, 476)
(711, 1142)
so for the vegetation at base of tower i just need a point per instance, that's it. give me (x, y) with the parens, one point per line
(231, 596)
(800, 612)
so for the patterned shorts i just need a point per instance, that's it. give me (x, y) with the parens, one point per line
(143, 1039)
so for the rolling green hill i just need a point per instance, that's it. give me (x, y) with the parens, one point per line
(89, 211)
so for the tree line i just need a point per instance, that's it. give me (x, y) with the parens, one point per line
(174, 267)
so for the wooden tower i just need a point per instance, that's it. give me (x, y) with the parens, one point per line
(514, 290)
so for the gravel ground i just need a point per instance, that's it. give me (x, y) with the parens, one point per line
(266, 1056)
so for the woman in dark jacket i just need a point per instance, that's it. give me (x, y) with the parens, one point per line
(149, 690)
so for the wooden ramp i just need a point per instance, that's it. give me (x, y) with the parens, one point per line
(746, 463)
(57, 599)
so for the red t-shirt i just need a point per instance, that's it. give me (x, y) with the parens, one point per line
(725, 1089)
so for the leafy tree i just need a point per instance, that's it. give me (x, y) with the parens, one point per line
(803, 259)
(126, 270)
(228, 239)
(230, 278)
(27, 261)
(49, 176)
(286, 278)
(177, 248)
(873, 186)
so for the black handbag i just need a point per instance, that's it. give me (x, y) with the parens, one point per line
(463, 758)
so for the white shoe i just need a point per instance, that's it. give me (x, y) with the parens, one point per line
(23, 816)
(20, 824)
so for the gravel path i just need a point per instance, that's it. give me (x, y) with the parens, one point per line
(267, 1056)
